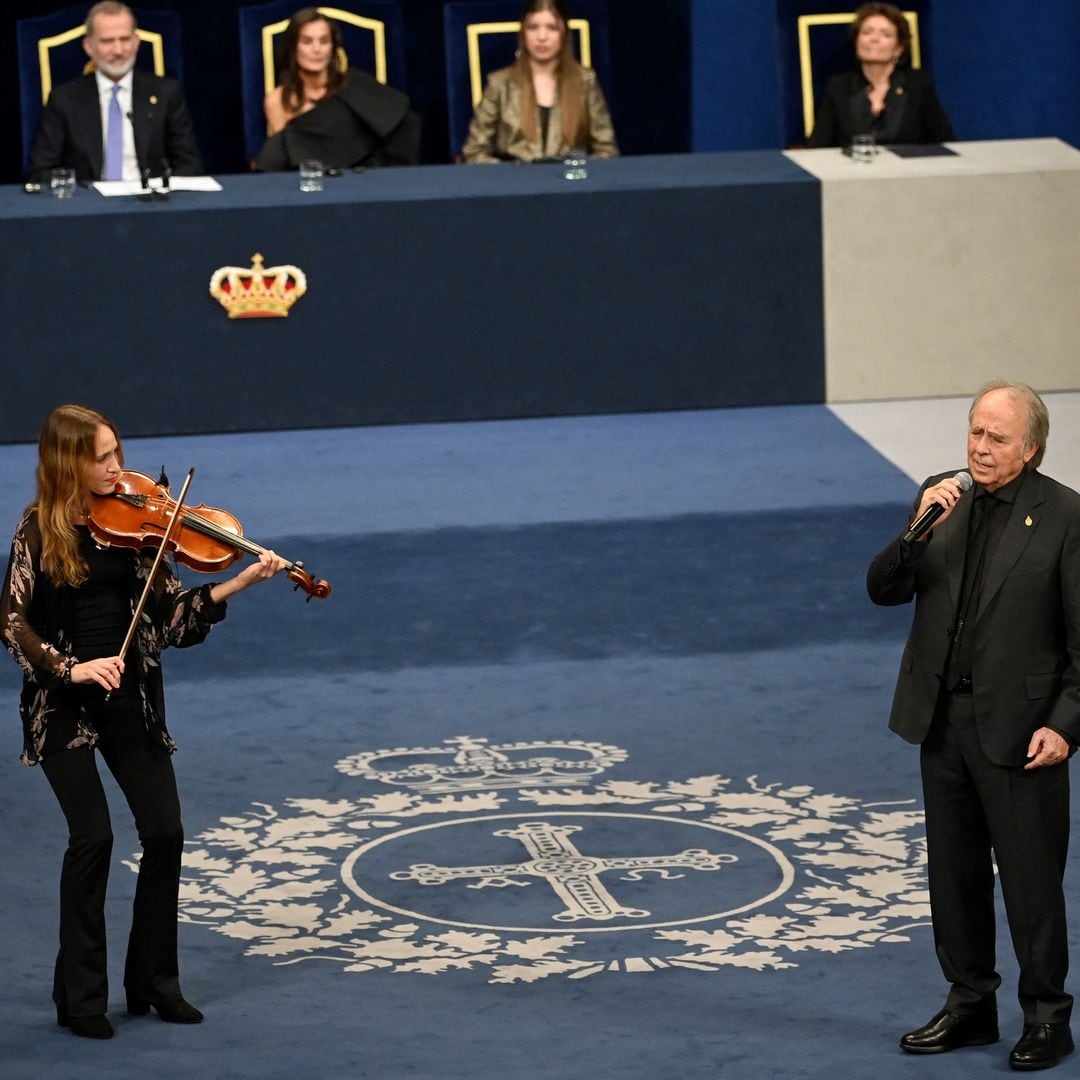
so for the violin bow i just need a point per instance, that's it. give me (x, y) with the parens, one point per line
(162, 548)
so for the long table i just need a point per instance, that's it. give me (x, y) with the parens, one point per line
(455, 292)
(433, 293)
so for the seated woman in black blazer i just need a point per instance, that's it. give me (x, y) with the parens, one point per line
(882, 95)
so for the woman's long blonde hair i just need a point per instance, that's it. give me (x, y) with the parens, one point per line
(66, 445)
(571, 84)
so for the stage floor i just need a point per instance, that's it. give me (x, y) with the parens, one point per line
(669, 610)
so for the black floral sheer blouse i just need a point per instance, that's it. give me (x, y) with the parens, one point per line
(34, 615)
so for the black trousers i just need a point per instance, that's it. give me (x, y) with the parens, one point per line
(978, 813)
(145, 775)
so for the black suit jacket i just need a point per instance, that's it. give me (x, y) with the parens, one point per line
(1026, 644)
(70, 133)
(913, 113)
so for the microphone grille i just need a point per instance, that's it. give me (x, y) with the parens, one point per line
(963, 478)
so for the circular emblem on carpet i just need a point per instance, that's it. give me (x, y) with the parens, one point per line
(519, 862)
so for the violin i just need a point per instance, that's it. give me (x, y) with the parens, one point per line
(140, 510)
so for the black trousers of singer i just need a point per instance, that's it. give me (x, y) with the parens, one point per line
(145, 775)
(978, 813)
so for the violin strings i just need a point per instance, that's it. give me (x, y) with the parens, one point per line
(218, 532)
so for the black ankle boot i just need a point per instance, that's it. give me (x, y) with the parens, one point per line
(176, 1011)
(89, 1027)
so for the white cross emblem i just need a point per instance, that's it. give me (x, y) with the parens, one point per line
(574, 877)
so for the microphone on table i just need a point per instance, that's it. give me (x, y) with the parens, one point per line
(925, 521)
(144, 170)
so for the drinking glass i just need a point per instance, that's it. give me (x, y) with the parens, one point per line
(311, 175)
(62, 183)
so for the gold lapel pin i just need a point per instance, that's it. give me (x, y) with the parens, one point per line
(1028, 522)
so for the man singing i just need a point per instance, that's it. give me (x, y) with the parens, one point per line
(989, 685)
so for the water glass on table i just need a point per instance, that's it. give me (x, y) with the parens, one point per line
(574, 165)
(863, 149)
(62, 183)
(311, 175)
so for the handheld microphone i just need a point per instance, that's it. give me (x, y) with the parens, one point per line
(925, 521)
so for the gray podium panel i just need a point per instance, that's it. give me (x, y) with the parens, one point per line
(942, 272)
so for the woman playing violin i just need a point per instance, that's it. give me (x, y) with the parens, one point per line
(64, 612)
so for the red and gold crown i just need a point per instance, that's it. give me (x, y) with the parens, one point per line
(257, 292)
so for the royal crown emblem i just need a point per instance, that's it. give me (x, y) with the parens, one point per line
(257, 292)
(468, 764)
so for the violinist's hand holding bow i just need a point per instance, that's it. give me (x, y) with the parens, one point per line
(105, 672)
(268, 564)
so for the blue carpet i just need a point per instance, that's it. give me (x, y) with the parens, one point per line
(718, 869)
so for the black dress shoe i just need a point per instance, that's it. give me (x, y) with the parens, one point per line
(949, 1031)
(89, 1027)
(176, 1011)
(1041, 1046)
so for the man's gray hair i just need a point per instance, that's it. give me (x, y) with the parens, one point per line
(1038, 428)
(107, 7)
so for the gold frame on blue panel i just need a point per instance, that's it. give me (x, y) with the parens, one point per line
(46, 44)
(474, 31)
(376, 26)
(806, 67)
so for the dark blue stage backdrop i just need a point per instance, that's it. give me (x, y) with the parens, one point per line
(650, 95)
(1003, 71)
(687, 74)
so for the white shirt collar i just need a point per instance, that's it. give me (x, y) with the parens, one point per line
(105, 84)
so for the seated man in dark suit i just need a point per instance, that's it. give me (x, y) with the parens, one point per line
(117, 123)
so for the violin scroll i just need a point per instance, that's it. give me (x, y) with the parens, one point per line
(316, 588)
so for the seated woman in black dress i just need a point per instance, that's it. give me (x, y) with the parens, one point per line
(326, 111)
(883, 95)
(545, 104)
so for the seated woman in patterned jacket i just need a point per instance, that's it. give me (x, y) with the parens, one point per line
(545, 104)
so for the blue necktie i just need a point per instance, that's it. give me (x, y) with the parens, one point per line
(114, 139)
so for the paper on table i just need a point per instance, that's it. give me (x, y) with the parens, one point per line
(176, 183)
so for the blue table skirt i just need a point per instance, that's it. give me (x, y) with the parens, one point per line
(434, 293)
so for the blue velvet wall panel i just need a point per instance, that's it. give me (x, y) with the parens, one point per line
(1011, 70)
(735, 83)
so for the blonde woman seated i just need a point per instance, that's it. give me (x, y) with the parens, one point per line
(545, 104)
(339, 116)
